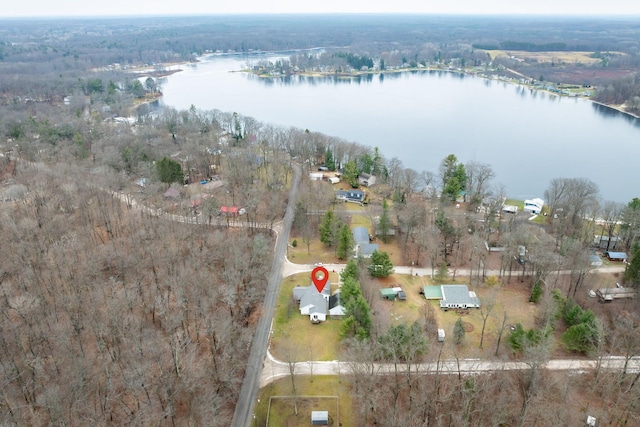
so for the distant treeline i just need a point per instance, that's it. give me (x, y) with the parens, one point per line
(355, 61)
(530, 47)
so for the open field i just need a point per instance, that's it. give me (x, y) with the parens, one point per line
(556, 57)
(281, 413)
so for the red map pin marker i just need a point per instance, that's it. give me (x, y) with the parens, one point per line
(319, 276)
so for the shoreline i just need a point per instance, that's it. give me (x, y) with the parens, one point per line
(167, 71)
(619, 108)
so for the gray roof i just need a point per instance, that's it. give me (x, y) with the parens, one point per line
(357, 195)
(360, 235)
(316, 300)
(368, 249)
(617, 255)
(458, 294)
(299, 291)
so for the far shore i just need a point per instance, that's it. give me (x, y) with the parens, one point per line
(167, 70)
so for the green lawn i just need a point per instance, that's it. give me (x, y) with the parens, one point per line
(281, 413)
(359, 220)
(294, 336)
(316, 252)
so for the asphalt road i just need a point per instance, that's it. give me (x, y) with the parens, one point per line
(275, 369)
(243, 415)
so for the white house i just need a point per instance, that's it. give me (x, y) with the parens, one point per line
(313, 303)
(534, 205)
(458, 296)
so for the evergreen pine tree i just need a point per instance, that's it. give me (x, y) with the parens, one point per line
(385, 222)
(632, 272)
(381, 265)
(345, 242)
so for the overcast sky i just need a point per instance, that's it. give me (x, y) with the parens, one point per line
(25, 8)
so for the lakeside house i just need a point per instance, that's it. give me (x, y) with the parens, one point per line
(355, 196)
(534, 206)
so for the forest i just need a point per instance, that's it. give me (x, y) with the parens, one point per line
(125, 304)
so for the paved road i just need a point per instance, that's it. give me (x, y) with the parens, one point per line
(243, 415)
(275, 369)
(291, 268)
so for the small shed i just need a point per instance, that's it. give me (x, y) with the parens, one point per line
(616, 256)
(334, 180)
(440, 335)
(393, 293)
(319, 418)
(388, 293)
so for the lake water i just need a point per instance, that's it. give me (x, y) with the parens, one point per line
(529, 137)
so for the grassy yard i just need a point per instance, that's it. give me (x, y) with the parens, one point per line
(282, 414)
(317, 252)
(512, 299)
(294, 336)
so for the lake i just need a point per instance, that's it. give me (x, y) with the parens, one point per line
(528, 137)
